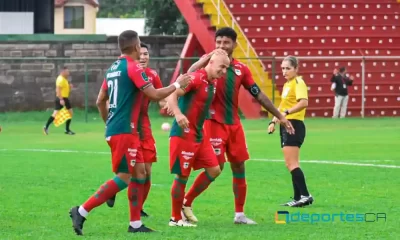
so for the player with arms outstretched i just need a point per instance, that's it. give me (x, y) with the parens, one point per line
(125, 81)
(189, 147)
(148, 143)
(224, 128)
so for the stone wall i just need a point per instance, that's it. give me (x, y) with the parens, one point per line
(28, 83)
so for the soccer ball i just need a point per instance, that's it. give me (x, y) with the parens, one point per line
(165, 126)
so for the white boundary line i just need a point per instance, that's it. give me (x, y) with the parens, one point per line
(346, 162)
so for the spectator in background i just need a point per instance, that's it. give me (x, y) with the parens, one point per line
(340, 82)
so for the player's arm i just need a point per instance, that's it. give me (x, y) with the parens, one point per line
(101, 101)
(157, 85)
(172, 101)
(256, 92)
(59, 87)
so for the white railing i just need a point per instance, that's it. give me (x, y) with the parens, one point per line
(362, 58)
(234, 23)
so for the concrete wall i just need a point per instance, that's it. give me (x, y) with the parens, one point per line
(29, 84)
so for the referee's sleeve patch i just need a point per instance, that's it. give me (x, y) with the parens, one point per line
(254, 90)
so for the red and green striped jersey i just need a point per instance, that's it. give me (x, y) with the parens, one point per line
(144, 126)
(225, 107)
(124, 81)
(195, 105)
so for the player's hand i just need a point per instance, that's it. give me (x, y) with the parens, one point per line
(287, 124)
(169, 110)
(62, 102)
(184, 80)
(218, 51)
(271, 128)
(182, 121)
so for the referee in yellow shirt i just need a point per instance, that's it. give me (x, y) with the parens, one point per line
(293, 105)
(62, 99)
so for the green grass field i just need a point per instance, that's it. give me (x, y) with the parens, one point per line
(351, 165)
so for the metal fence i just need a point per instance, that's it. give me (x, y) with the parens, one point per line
(29, 83)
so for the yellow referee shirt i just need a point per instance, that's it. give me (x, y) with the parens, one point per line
(62, 82)
(292, 92)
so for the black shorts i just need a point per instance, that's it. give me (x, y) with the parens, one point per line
(295, 140)
(59, 106)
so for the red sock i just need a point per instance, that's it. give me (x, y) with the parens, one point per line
(106, 191)
(200, 184)
(135, 196)
(146, 189)
(239, 190)
(177, 196)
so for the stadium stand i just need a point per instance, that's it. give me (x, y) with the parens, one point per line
(323, 28)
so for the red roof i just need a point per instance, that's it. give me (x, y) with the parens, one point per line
(60, 3)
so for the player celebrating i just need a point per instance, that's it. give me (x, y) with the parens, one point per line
(124, 80)
(224, 127)
(293, 105)
(146, 137)
(189, 147)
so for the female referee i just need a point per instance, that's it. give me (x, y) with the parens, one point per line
(293, 105)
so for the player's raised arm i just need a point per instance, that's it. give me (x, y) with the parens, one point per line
(202, 62)
(101, 101)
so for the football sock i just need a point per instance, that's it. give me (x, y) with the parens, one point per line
(300, 181)
(67, 124)
(200, 184)
(177, 196)
(239, 190)
(49, 121)
(296, 190)
(107, 190)
(147, 185)
(135, 196)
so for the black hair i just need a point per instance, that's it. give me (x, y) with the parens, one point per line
(126, 40)
(226, 32)
(142, 45)
(342, 69)
(294, 62)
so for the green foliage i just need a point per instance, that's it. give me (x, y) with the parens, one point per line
(162, 16)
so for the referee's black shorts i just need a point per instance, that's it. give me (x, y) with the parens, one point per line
(58, 106)
(295, 140)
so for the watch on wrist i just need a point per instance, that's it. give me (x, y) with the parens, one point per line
(287, 112)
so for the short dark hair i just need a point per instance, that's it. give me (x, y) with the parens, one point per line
(142, 45)
(342, 69)
(294, 62)
(226, 32)
(65, 68)
(125, 40)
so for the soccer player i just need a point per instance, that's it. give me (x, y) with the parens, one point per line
(125, 80)
(224, 128)
(148, 143)
(293, 105)
(189, 147)
(62, 100)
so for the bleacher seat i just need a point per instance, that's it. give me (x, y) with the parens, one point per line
(330, 28)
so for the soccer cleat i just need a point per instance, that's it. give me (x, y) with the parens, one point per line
(77, 220)
(141, 229)
(143, 213)
(110, 202)
(242, 219)
(45, 131)
(187, 214)
(304, 201)
(69, 132)
(290, 203)
(180, 223)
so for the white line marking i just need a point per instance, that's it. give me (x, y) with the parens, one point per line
(333, 163)
(346, 162)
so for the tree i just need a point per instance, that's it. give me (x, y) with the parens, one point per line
(162, 17)
(119, 9)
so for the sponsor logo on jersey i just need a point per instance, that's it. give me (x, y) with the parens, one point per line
(144, 76)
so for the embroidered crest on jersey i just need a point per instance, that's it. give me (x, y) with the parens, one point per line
(238, 72)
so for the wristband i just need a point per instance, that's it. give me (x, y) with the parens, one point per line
(287, 112)
(271, 123)
(177, 85)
